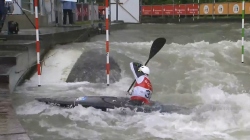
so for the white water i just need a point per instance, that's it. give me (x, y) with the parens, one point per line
(58, 64)
(212, 77)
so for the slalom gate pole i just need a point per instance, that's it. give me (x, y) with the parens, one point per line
(243, 30)
(107, 38)
(179, 11)
(198, 9)
(193, 10)
(37, 43)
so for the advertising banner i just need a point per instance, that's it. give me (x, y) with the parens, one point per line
(247, 8)
(226, 8)
(82, 12)
(157, 10)
(235, 8)
(180, 9)
(192, 9)
(168, 9)
(146, 10)
(221, 9)
(206, 9)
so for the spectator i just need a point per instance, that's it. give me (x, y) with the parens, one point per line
(9, 7)
(2, 7)
(2, 13)
(67, 10)
(73, 4)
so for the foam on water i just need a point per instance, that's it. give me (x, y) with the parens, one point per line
(202, 70)
(58, 64)
(209, 120)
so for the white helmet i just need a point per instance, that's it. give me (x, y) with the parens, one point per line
(144, 69)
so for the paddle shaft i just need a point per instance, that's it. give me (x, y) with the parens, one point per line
(134, 80)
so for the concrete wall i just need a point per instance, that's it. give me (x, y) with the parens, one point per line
(26, 60)
(24, 22)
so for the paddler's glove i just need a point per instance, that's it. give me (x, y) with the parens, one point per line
(138, 65)
(130, 92)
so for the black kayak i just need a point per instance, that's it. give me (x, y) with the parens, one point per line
(110, 102)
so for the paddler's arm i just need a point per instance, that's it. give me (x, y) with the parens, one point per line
(134, 66)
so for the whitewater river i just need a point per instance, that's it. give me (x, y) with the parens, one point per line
(199, 67)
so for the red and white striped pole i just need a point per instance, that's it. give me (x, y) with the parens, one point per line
(107, 39)
(37, 43)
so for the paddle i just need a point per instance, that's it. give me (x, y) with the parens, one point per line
(155, 48)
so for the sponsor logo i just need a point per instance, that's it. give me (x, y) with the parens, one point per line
(236, 8)
(206, 9)
(220, 9)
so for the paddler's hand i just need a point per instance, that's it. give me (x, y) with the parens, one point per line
(130, 92)
(138, 64)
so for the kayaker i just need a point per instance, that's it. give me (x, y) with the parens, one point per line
(142, 90)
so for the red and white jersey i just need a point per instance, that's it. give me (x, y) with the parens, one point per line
(143, 89)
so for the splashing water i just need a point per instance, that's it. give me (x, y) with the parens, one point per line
(207, 77)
